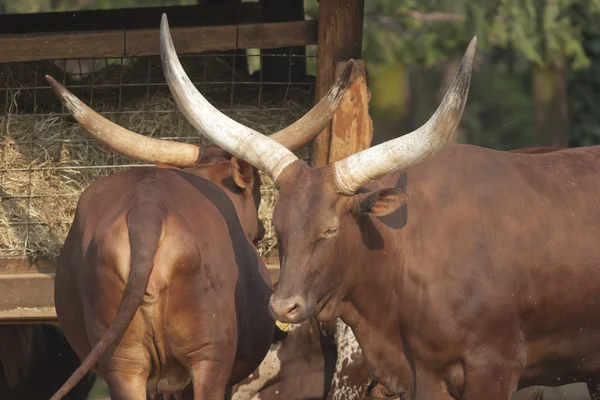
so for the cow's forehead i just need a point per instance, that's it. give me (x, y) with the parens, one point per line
(303, 188)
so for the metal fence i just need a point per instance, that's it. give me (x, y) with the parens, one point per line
(47, 159)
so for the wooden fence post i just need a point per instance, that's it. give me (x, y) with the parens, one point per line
(339, 39)
(351, 127)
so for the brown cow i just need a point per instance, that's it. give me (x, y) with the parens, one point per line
(34, 360)
(302, 365)
(312, 360)
(294, 367)
(467, 274)
(158, 282)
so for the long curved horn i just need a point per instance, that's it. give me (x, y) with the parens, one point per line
(297, 135)
(269, 154)
(123, 141)
(358, 169)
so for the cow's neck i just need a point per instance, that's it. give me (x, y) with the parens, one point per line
(374, 303)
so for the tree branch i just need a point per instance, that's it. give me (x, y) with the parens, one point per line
(433, 17)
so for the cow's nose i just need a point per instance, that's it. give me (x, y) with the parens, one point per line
(288, 309)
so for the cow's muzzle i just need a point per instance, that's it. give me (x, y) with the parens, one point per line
(289, 309)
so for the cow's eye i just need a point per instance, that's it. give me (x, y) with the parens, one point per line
(330, 232)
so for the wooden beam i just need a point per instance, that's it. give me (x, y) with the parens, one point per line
(27, 289)
(55, 46)
(27, 296)
(206, 13)
(146, 42)
(339, 38)
(277, 34)
(351, 127)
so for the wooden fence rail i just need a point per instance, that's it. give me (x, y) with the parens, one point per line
(145, 42)
(27, 289)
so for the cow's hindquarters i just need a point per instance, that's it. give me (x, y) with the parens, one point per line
(145, 228)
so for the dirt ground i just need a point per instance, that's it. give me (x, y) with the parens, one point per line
(576, 391)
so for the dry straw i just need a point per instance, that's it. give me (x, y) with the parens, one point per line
(47, 159)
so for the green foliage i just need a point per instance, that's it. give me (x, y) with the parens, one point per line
(584, 89)
(404, 35)
(498, 113)
(393, 32)
(546, 32)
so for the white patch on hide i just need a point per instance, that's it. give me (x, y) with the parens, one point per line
(347, 350)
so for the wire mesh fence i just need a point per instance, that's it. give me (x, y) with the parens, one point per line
(47, 159)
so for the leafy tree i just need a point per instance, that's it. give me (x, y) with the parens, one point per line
(584, 87)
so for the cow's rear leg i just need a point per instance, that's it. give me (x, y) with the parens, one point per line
(210, 379)
(123, 386)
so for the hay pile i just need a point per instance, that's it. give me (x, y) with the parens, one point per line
(48, 159)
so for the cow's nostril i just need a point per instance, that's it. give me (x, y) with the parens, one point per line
(287, 309)
(293, 309)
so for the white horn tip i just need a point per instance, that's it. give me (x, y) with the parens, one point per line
(466, 65)
(339, 87)
(73, 104)
(470, 53)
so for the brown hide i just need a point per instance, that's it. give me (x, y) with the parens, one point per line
(311, 362)
(285, 373)
(294, 368)
(203, 315)
(537, 149)
(483, 279)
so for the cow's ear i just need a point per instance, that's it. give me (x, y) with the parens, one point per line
(243, 173)
(381, 202)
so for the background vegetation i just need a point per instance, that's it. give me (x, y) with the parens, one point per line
(538, 67)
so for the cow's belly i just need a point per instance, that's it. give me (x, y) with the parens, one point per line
(563, 358)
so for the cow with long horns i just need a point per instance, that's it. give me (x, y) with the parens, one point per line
(470, 272)
(158, 283)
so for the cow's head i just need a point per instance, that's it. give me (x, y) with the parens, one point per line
(238, 178)
(318, 211)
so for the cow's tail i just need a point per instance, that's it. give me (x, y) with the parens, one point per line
(145, 225)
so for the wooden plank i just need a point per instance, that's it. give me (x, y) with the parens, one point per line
(206, 13)
(26, 266)
(274, 272)
(27, 296)
(277, 34)
(27, 289)
(339, 38)
(351, 127)
(187, 40)
(15, 48)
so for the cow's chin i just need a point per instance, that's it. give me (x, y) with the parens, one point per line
(328, 309)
